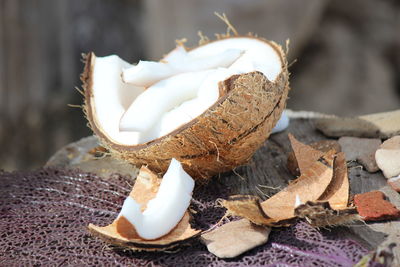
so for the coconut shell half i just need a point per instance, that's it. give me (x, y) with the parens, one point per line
(225, 136)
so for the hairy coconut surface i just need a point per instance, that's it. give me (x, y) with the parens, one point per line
(224, 136)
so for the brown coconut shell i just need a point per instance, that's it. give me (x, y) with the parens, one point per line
(222, 138)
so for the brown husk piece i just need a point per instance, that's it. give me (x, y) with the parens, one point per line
(249, 207)
(320, 214)
(337, 192)
(279, 209)
(304, 155)
(223, 137)
(122, 233)
(323, 146)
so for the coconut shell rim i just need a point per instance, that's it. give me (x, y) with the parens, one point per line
(87, 80)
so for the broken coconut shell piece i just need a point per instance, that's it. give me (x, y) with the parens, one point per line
(158, 203)
(212, 123)
(279, 209)
(303, 156)
(323, 186)
(337, 192)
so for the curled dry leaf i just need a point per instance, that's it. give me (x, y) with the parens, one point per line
(121, 232)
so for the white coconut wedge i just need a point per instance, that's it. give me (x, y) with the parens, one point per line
(164, 211)
(160, 98)
(147, 73)
(211, 123)
(155, 215)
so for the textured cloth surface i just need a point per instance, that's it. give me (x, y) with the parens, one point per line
(44, 216)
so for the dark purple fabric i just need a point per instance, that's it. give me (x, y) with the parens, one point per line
(44, 215)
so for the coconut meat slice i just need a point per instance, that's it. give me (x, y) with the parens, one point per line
(176, 56)
(112, 97)
(207, 94)
(166, 94)
(146, 73)
(262, 55)
(164, 211)
(282, 124)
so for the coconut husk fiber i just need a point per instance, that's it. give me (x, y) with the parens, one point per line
(222, 138)
(45, 213)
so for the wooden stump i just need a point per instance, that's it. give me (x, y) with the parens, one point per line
(264, 175)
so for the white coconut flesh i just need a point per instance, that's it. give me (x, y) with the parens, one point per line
(164, 211)
(168, 94)
(282, 123)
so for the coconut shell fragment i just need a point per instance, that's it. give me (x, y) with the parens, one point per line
(279, 209)
(320, 195)
(303, 156)
(249, 207)
(308, 187)
(307, 154)
(122, 233)
(337, 192)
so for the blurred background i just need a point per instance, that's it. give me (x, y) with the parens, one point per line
(348, 56)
